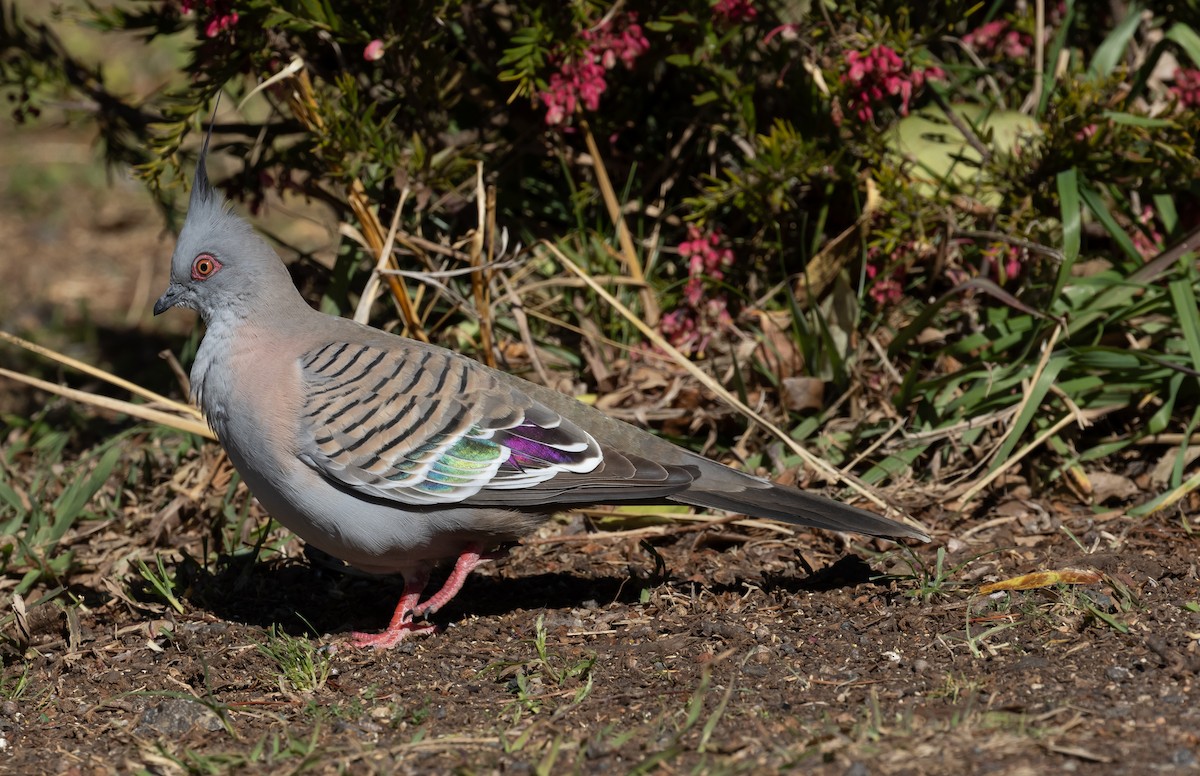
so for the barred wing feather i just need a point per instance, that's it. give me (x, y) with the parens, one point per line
(426, 427)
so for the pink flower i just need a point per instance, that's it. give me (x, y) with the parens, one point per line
(888, 272)
(691, 326)
(1148, 241)
(885, 290)
(221, 15)
(731, 12)
(581, 78)
(1186, 87)
(877, 75)
(373, 50)
(1005, 258)
(996, 37)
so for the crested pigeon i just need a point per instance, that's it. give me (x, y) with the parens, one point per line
(394, 455)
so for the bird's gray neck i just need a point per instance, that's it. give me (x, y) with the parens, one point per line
(251, 322)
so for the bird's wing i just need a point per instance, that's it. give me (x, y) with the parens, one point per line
(423, 426)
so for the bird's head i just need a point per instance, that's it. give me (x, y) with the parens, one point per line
(221, 266)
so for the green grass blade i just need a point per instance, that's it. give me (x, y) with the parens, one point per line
(69, 506)
(1187, 39)
(1095, 204)
(1071, 213)
(1183, 298)
(1053, 53)
(1109, 54)
(1032, 408)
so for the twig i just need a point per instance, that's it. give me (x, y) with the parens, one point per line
(373, 232)
(177, 369)
(966, 425)
(700, 524)
(1028, 245)
(517, 308)
(362, 312)
(963, 127)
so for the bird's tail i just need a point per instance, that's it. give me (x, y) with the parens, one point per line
(719, 487)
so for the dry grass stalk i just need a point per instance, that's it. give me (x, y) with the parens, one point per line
(633, 264)
(480, 239)
(177, 415)
(178, 422)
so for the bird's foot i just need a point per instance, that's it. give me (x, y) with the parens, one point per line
(467, 561)
(410, 606)
(390, 637)
(401, 626)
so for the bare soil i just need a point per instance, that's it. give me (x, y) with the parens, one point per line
(755, 653)
(732, 649)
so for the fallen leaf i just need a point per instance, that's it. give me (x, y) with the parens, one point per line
(803, 393)
(1044, 579)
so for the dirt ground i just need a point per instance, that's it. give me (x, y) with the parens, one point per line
(735, 649)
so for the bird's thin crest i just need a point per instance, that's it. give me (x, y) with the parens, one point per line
(202, 190)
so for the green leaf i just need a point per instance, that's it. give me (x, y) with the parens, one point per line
(1164, 206)
(69, 505)
(705, 98)
(10, 497)
(278, 18)
(1032, 408)
(1184, 299)
(1092, 198)
(659, 26)
(896, 463)
(1187, 39)
(1130, 120)
(1158, 422)
(1109, 53)
(1070, 213)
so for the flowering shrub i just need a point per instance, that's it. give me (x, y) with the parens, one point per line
(737, 111)
(878, 74)
(580, 80)
(731, 12)
(691, 326)
(806, 135)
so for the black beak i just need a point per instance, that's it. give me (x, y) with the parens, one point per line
(167, 300)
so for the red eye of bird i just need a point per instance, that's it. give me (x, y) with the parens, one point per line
(204, 266)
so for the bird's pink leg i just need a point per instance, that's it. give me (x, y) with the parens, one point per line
(471, 556)
(401, 626)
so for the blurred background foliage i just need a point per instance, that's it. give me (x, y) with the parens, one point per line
(929, 240)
